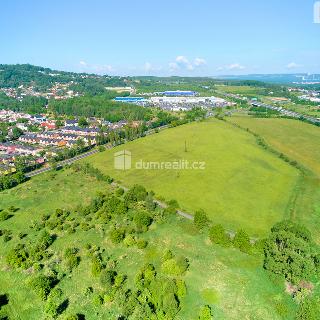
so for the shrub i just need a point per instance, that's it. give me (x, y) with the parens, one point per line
(119, 192)
(107, 277)
(308, 310)
(175, 266)
(242, 241)
(4, 300)
(142, 219)
(18, 257)
(217, 234)
(205, 313)
(4, 215)
(167, 255)
(200, 219)
(117, 235)
(181, 288)
(97, 266)
(136, 193)
(141, 243)
(51, 309)
(97, 300)
(42, 285)
(129, 240)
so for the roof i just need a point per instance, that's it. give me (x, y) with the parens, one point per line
(129, 99)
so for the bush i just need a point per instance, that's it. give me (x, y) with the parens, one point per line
(181, 289)
(51, 309)
(136, 193)
(4, 300)
(200, 219)
(142, 219)
(107, 278)
(97, 300)
(42, 285)
(119, 192)
(217, 234)
(18, 257)
(141, 243)
(117, 235)
(129, 240)
(4, 215)
(242, 241)
(308, 310)
(97, 266)
(205, 313)
(175, 266)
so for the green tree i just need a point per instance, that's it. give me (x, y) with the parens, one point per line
(290, 252)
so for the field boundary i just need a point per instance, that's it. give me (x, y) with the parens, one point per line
(304, 172)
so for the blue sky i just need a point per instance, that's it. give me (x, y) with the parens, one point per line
(148, 37)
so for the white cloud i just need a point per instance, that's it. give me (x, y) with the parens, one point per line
(182, 60)
(199, 62)
(173, 66)
(235, 66)
(231, 67)
(96, 68)
(293, 65)
(183, 63)
(149, 67)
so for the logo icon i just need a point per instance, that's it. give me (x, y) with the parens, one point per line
(316, 12)
(122, 160)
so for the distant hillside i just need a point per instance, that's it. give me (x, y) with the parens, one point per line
(13, 76)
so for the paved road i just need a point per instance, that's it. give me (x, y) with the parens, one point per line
(62, 163)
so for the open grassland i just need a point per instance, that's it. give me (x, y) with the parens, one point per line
(231, 282)
(242, 184)
(50, 190)
(250, 90)
(300, 141)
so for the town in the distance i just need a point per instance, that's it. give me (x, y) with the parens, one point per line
(29, 140)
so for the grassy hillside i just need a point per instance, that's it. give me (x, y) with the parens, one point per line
(300, 141)
(232, 283)
(242, 185)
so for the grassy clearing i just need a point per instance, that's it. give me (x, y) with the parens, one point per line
(241, 89)
(300, 141)
(232, 283)
(242, 184)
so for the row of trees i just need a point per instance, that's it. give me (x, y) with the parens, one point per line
(12, 180)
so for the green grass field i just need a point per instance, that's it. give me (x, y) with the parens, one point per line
(300, 141)
(67, 189)
(242, 184)
(250, 90)
(231, 282)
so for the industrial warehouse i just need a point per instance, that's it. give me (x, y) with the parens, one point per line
(175, 100)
